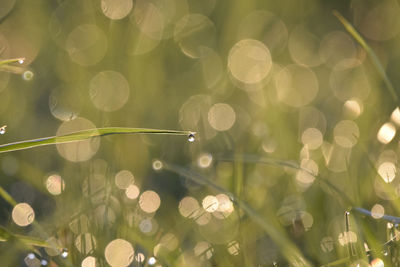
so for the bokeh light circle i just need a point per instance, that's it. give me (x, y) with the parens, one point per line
(249, 61)
(109, 90)
(119, 253)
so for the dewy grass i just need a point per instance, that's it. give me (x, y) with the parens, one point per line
(84, 135)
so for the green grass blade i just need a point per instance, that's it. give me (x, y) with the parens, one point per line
(84, 135)
(288, 249)
(370, 53)
(11, 60)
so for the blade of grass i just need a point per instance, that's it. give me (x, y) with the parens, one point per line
(288, 249)
(84, 135)
(11, 60)
(370, 53)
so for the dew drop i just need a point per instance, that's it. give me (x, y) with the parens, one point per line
(3, 129)
(64, 253)
(191, 138)
(152, 261)
(21, 61)
(31, 256)
(43, 262)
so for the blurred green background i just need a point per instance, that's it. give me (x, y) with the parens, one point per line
(292, 121)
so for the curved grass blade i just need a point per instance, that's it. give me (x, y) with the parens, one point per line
(84, 135)
(288, 249)
(370, 52)
(5, 236)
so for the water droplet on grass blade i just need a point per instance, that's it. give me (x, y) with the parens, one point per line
(21, 61)
(191, 138)
(64, 253)
(43, 262)
(3, 129)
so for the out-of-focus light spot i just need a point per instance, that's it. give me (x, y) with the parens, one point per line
(194, 31)
(348, 80)
(149, 19)
(307, 220)
(86, 44)
(55, 184)
(188, 207)
(336, 46)
(85, 243)
(79, 225)
(148, 226)
(77, 151)
(149, 201)
(65, 102)
(203, 250)
(54, 243)
(395, 117)
(352, 108)
(23, 214)
(202, 217)
(210, 203)
(347, 237)
(312, 138)
(124, 179)
(31, 260)
(269, 145)
(377, 263)
(377, 211)
(346, 133)
(89, 262)
(327, 244)
(233, 247)
(387, 171)
(336, 157)
(3, 129)
(306, 176)
(116, 9)
(132, 192)
(296, 85)
(249, 61)
(139, 257)
(109, 90)
(152, 261)
(224, 203)
(302, 46)
(27, 75)
(157, 165)
(221, 117)
(169, 241)
(119, 252)
(204, 160)
(44, 262)
(386, 133)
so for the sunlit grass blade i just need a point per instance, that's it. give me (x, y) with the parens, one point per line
(288, 249)
(5, 236)
(12, 60)
(370, 53)
(84, 135)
